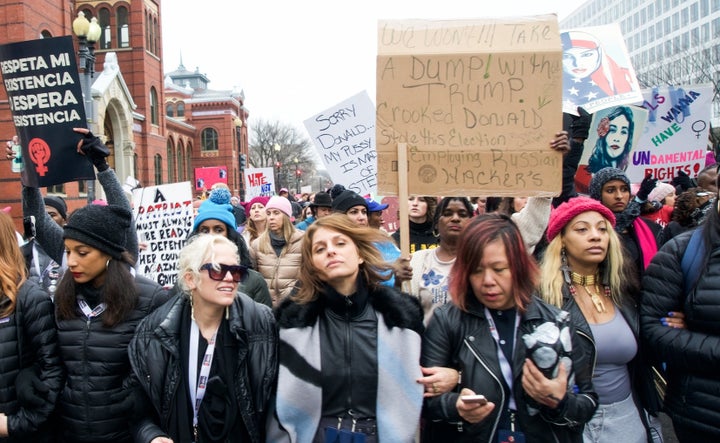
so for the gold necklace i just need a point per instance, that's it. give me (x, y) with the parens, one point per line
(590, 281)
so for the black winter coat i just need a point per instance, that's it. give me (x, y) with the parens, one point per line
(462, 340)
(692, 354)
(96, 357)
(155, 358)
(30, 331)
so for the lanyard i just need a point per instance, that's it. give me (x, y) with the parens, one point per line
(505, 365)
(90, 313)
(198, 384)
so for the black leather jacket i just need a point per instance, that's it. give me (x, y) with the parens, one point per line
(155, 359)
(640, 367)
(462, 340)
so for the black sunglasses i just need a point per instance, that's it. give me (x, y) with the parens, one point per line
(238, 272)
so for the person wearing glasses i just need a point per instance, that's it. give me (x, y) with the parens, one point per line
(206, 360)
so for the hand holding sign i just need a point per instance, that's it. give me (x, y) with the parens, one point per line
(94, 149)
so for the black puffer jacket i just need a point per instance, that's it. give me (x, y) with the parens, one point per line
(462, 340)
(96, 358)
(30, 330)
(155, 357)
(692, 354)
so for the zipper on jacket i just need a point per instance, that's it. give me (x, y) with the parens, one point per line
(592, 342)
(502, 391)
(348, 354)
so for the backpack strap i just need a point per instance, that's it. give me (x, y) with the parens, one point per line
(692, 260)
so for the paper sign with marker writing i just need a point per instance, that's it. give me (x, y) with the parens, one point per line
(164, 218)
(344, 136)
(259, 182)
(675, 136)
(477, 102)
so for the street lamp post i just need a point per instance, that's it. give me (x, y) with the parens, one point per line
(88, 32)
(297, 176)
(278, 165)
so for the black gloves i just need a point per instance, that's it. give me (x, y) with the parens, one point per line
(31, 391)
(682, 181)
(95, 150)
(646, 187)
(580, 126)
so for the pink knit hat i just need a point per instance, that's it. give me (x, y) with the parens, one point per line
(660, 191)
(562, 215)
(263, 200)
(281, 204)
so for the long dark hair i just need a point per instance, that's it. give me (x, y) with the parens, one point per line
(599, 158)
(120, 293)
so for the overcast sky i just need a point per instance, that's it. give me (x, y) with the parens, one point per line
(294, 59)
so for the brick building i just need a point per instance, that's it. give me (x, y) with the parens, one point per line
(158, 131)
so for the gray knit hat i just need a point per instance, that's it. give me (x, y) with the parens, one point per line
(101, 227)
(603, 176)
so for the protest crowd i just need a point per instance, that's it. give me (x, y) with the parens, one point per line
(588, 316)
(575, 318)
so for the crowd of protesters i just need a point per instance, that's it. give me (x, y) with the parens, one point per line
(578, 318)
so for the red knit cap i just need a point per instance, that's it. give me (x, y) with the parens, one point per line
(562, 215)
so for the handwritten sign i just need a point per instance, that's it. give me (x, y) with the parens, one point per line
(477, 102)
(164, 218)
(259, 182)
(43, 87)
(344, 136)
(676, 135)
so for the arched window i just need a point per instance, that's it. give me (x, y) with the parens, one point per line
(188, 157)
(158, 169)
(170, 110)
(181, 162)
(181, 109)
(135, 165)
(156, 36)
(209, 139)
(104, 22)
(154, 106)
(45, 34)
(123, 33)
(171, 161)
(88, 13)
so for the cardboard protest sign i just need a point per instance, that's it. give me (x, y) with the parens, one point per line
(206, 177)
(597, 72)
(676, 135)
(476, 101)
(259, 182)
(164, 219)
(43, 86)
(614, 134)
(344, 136)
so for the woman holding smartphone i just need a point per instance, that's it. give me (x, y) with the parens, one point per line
(481, 333)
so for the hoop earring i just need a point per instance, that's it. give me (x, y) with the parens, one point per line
(107, 263)
(227, 312)
(192, 306)
(435, 233)
(564, 267)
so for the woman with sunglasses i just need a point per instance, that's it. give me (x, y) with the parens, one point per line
(207, 359)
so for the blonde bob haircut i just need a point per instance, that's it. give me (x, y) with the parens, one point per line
(614, 271)
(373, 269)
(199, 250)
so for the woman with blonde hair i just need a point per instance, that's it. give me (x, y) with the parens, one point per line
(276, 253)
(585, 272)
(349, 346)
(31, 373)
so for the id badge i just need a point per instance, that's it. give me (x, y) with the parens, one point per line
(505, 436)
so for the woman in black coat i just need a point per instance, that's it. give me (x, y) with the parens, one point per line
(98, 304)
(31, 374)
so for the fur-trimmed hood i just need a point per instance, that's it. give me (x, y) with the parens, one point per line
(398, 309)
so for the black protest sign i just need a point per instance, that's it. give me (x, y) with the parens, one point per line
(43, 86)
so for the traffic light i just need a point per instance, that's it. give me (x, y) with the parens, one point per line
(243, 161)
(278, 165)
(298, 172)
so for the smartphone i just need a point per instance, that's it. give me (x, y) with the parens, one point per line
(474, 399)
(29, 227)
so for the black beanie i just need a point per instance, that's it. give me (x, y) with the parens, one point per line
(101, 227)
(346, 200)
(58, 203)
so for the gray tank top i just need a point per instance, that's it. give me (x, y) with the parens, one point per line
(616, 346)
